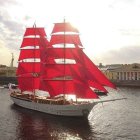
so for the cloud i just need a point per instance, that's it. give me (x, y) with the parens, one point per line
(124, 55)
(10, 32)
(4, 53)
(8, 26)
(106, 27)
(122, 3)
(8, 2)
(130, 32)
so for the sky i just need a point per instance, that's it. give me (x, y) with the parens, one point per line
(109, 29)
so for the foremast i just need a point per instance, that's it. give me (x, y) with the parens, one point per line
(29, 62)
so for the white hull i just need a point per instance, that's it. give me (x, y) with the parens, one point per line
(82, 109)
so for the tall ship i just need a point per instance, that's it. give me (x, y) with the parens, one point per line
(55, 76)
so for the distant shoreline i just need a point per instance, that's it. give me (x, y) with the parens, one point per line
(127, 83)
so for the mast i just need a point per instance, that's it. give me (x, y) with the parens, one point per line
(28, 71)
(71, 80)
(34, 26)
(64, 60)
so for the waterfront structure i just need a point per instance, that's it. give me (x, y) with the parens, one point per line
(129, 72)
(122, 72)
(110, 71)
(7, 75)
(3, 69)
(6, 71)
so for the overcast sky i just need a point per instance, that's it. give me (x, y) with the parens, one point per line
(109, 29)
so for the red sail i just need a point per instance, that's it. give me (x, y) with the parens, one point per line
(56, 53)
(28, 67)
(59, 53)
(69, 39)
(80, 73)
(68, 87)
(97, 73)
(57, 70)
(28, 82)
(83, 91)
(61, 27)
(28, 73)
(75, 71)
(84, 73)
(92, 69)
(35, 31)
(34, 42)
(29, 53)
(57, 87)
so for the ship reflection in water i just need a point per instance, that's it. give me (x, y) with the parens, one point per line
(119, 120)
(35, 125)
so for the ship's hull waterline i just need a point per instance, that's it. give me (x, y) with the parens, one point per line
(80, 110)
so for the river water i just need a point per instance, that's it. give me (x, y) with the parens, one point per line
(117, 120)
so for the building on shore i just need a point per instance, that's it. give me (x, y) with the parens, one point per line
(123, 74)
(110, 71)
(7, 75)
(6, 71)
(129, 72)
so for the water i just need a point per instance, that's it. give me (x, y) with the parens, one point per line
(118, 120)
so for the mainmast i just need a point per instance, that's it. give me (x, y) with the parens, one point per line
(76, 73)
